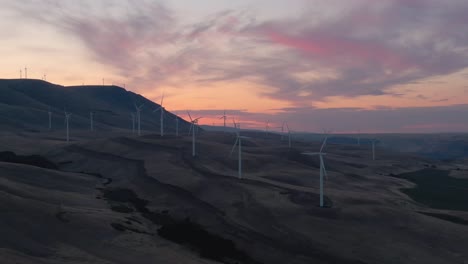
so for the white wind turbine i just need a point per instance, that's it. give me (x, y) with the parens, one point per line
(267, 126)
(138, 117)
(236, 126)
(239, 143)
(161, 108)
(67, 121)
(282, 130)
(224, 117)
(192, 130)
(323, 171)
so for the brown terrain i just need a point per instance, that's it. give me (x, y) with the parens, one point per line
(112, 197)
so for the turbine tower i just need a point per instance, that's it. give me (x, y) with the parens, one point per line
(192, 130)
(21, 74)
(161, 108)
(239, 144)
(282, 130)
(67, 121)
(323, 171)
(25, 72)
(138, 117)
(224, 117)
(267, 126)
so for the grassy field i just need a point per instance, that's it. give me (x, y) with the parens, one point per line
(437, 190)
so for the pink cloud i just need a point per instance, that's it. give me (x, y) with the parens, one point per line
(330, 47)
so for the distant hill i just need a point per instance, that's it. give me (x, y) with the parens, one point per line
(24, 104)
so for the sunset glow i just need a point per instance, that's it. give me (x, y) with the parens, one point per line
(344, 66)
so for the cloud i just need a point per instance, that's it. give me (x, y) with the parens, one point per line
(380, 119)
(369, 47)
(359, 48)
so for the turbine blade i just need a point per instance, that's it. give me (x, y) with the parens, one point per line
(234, 146)
(323, 144)
(189, 116)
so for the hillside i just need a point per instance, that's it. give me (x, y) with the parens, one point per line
(24, 105)
(146, 200)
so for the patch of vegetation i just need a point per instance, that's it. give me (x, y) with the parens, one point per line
(122, 209)
(61, 216)
(436, 189)
(126, 196)
(122, 228)
(446, 217)
(184, 232)
(33, 160)
(208, 245)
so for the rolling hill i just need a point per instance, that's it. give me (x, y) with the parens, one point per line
(24, 105)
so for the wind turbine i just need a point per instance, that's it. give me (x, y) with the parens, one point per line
(91, 120)
(138, 117)
(239, 143)
(224, 117)
(21, 74)
(282, 130)
(25, 72)
(323, 171)
(267, 127)
(67, 121)
(161, 108)
(192, 129)
(236, 126)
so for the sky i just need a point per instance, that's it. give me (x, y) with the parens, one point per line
(374, 66)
